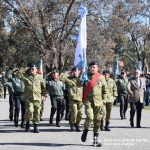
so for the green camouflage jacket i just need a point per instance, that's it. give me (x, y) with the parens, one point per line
(97, 94)
(75, 88)
(34, 86)
(111, 89)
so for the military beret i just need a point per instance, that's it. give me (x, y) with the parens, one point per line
(93, 63)
(30, 65)
(74, 69)
(106, 72)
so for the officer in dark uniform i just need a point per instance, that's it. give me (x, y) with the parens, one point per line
(56, 91)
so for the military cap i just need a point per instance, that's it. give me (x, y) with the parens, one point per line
(106, 72)
(93, 63)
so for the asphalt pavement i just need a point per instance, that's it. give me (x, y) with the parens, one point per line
(121, 136)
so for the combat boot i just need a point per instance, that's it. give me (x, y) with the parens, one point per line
(58, 124)
(16, 122)
(78, 128)
(96, 142)
(72, 126)
(67, 117)
(84, 135)
(22, 124)
(107, 126)
(51, 122)
(36, 130)
(27, 127)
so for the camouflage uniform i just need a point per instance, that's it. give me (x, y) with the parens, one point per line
(34, 89)
(75, 90)
(94, 104)
(1, 89)
(110, 96)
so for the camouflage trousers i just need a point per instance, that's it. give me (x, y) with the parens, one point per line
(42, 108)
(93, 113)
(75, 110)
(33, 111)
(1, 90)
(107, 111)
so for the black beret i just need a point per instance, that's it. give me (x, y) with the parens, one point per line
(106, 72)
(74, 69)
(30, 65)
(93, 63)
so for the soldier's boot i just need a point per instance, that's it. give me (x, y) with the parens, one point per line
(11, 116)
(58, 124)
(73, 128)
(27, 127)
(96, 142)
(107, 126)
(36, 130)
(102, 125)
(22, 124)
(78, 128)
(16, 122)
(84, 135)
(66, 117)
(51, 121)
(62, 116)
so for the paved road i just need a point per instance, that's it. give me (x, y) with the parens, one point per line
(122, 137)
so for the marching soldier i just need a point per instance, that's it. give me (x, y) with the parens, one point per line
(75, 98)
(18, 97)
(93, 99)
(110, 96)
(122, 86)
(35, 91)
(56, 91)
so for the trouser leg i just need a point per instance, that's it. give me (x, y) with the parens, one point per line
(139, 107)
(122, 103)
(11, 107)
(17, 110)
(132, 113)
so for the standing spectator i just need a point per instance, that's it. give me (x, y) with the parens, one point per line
(136, 88)
(93, 98)
(56, 91)
(122, 86)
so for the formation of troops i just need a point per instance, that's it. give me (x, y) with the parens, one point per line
(68, 94)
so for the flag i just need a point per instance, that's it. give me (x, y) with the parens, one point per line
(40, 67)
(80, 52)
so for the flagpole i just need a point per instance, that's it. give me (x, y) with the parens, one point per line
(80, 52)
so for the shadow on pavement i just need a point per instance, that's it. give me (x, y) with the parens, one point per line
(129, 127)
(43, 144)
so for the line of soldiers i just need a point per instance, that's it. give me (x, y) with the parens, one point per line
(96, 94)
